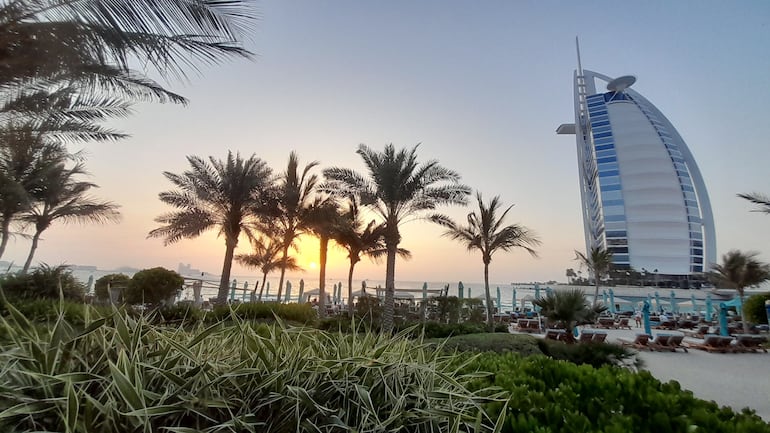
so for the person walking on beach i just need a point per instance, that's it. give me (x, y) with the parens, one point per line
(638, 318)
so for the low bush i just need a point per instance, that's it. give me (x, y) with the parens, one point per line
(48, 310)
(557, 396)
(152, 286)
(130, 376)
(594, 354)
(299, 313)
(43, 282)
(180, 313)
(114, 280)
(497, 342)
(755, 308)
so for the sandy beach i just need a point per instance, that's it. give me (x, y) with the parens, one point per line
(737, 380)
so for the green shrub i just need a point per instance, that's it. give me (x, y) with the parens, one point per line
(755, 308)
(595, 354)
(184, 313)
(489, 342)
(369, 308)
(115, 280)
(152, 286)
(43, 282)
(557, 396)
(47, 310)
(300, 313)
(131, 376)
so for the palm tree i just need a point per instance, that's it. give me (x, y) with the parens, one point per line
(265, 257)
(397, 188)
(294, 201)
(738, 271)
(62, 197)
(323, 220)
(598, 262)
(485, 232)
(568, 307)
(359, 240)
(215, 194)
(571, 275)
(762, 200)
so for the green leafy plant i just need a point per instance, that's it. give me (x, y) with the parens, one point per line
(43, 282)
(755, 308)
(114, 280)
(299, 313)
(152, 286)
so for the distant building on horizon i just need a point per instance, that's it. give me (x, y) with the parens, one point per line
(642, 194)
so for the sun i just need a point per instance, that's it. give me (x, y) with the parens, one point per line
(313, 265)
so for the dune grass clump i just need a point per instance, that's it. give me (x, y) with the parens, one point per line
(123, 374)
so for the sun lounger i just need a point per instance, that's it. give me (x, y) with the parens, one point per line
(599, 337)
(555, 334)
(586, 336)
(640, 342)
(623, 324)
(713, 343)
(660, 342)
(675, 342)
(668, 324)
(749, 343)
(697, 333)
(606, 322)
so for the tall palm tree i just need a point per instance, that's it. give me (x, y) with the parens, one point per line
(62, 197)
(598, 262)
(295, 195)
(485, 232)
(569, 308)
(762, 200)
(215, 194)
(397, 188)
(324, 221)
(738, 271)
(359, 240)
(265, 256)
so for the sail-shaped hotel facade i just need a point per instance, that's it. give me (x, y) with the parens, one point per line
(643, 196)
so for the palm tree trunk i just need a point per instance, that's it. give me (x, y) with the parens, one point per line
(224, 282)
(596, 293)
(5, 227)
(743, 314)
(350, 289)
(262, 287)
(283, 270)
(390, 287)
(489, 297)
(32, 249)
(324, 241)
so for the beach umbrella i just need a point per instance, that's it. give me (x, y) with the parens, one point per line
(267, 291)
(513, 300)
(245, 288)
(673, 302)
(287, 297)
(612, 301)
(657, 300)
(90, 284)
(709, 308)
(460, 290)
(470, 293)
(363, 287)
(301, 290)
(723, 320)
(604, 297)
(339, 291)
(646, 317)
(498, 300)
(537, 291)
(694, 304)
(424, 300)
(232, 290)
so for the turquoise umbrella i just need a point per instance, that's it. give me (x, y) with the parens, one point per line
(537, 295)
(548, 291)
(646, 317)
(245, 289)
(612, 301)
(513, 300)
(709, 308)
(499, 301)
(232, 290)
(673, 302)
(723, 320)
(657, 300)
(694, 305)
(287, 297)
(604, 297)
(301, 290)
(460, 290)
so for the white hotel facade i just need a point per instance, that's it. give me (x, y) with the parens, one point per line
(642, 194)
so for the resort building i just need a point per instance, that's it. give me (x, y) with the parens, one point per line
(642, 195)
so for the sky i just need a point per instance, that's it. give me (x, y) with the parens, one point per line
(480, 86)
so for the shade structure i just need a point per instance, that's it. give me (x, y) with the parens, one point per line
(709, 308)
(612, 301)
(267, 291)
(245, 290)
(605, 300)
(694, 304)
(499, 301)
(513, 299)
(460, 290)
(287, 295)
(657, 300)
(470, 292)
(90, 284)
(232, 290)
(537, 296)
(646, 317)
(723, 320)
(673, 302)
(301, 291)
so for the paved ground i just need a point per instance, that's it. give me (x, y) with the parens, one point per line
(736, 380)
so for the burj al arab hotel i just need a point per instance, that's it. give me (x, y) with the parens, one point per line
(642, 194)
